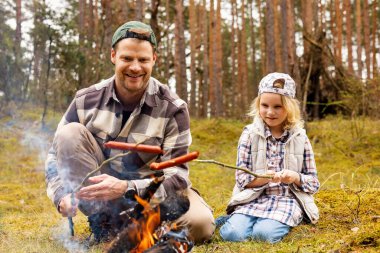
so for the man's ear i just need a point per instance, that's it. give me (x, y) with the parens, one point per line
(154, 58)
(113, 56)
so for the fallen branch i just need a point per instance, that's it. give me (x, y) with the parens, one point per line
(235, 168)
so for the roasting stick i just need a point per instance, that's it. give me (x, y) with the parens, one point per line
(234, 168)
(138, 147)
(193, 157)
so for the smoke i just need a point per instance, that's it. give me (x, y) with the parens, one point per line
(61, 233)
(38, 140)
(35, 141)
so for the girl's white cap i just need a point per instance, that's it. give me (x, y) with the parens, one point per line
(288, 84)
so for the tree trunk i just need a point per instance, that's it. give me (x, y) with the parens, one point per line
(46, 89)
(193, 56)
(307, 14)
(284, 37)
(218, 70)
(91, 23)
(235, 86)
(139, 10)
(204, 94)
(211, 57)
(243, 59)
(262, 39)
(168, 48)
(338, 17)
(17, 76)
(180, 56)
(367, 41)
(293, 67)
(82, 50)
(374, 33)
(277, 38)
(348, 15)
(17, 42)
(358, 37)
(253, 87)
(155, 4)
(307, 64)
(106, 39)
(269, 34)
(37, 46)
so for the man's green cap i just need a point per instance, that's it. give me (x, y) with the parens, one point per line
(134, 29)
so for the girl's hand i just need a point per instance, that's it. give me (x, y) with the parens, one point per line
(287, 177)
(258, 181)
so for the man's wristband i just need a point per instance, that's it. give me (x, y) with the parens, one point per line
(130, 191)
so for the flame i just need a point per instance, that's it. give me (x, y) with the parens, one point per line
(147, 225)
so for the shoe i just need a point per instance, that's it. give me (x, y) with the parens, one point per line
(221, 220)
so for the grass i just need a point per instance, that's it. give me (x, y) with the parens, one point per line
(348, 160)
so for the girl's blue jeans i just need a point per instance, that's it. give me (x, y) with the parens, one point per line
(241, 227)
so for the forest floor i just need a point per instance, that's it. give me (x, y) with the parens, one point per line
(347, 153)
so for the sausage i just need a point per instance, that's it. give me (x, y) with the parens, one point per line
(134, 147)
(175, 161)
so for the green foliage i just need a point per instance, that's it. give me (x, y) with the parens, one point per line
(348, 165)
(361, 98)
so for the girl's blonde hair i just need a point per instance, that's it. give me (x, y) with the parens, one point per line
(292, 107)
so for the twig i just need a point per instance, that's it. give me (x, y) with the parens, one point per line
(321, 185)
(234, 167)
(99, 168)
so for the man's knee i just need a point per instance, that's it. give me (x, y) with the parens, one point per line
(69, 132)
(198, 219)
(201, 228)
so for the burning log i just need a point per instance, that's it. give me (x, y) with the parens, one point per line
(140, 234)
(172, 242)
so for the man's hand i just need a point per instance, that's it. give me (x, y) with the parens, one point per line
(104, 187)
(66, 208)
(287, 177)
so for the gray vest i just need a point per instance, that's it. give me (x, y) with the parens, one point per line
(294, 150)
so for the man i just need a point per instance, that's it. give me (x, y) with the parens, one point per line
(129, 107)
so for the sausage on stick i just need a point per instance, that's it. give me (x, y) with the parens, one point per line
(134, 147)
(175, 161)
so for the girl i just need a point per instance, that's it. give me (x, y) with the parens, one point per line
(275, 144)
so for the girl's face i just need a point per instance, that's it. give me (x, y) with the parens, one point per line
(272, 111)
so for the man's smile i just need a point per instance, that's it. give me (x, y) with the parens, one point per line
(134, 76)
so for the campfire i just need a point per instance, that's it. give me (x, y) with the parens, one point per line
(150, 228)
(142, 226)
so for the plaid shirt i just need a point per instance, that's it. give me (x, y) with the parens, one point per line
(160, 119)
(277, 202)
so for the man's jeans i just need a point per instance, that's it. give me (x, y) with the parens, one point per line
(241, 227)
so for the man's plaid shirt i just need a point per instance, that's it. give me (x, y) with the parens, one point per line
(160, 119)
(277, 202)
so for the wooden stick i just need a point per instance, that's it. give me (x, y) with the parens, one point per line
(99, 168)
(235, 168)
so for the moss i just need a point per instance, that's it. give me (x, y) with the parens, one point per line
(347, 155)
